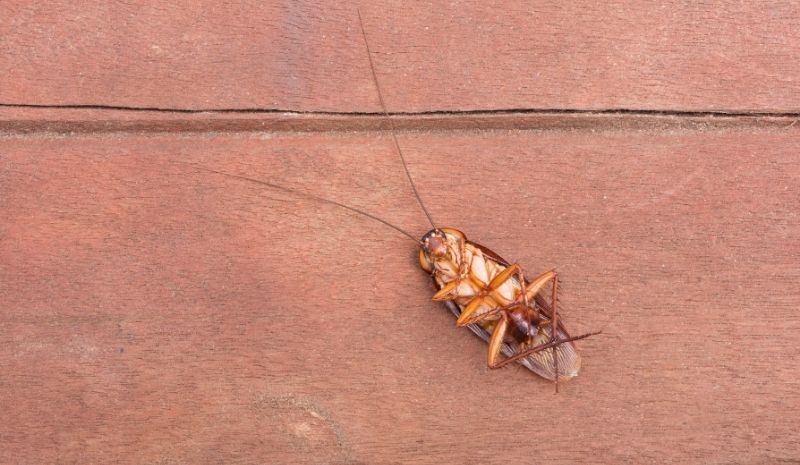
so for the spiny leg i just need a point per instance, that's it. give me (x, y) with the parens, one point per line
(462, 251)
(477, 318)
(554, 325)
(538, 282)
(496, 342)
(527, 291)
(536, 285)
(540, 347)
(523, 287)
(503, 276)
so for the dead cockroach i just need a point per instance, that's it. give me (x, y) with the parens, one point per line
(491, 296)
(485, 292)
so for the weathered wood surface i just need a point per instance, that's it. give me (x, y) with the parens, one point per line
(154, 312)
(472, 55)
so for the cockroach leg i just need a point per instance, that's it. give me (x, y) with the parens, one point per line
(462, 250)
(538, 282)
(523, 291)
(503, 276)
(554, 324)
(496, 342)
(485, 315)
(472, 306)
(539, 348)
(447, 292)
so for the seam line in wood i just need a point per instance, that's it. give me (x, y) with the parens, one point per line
(67, 119)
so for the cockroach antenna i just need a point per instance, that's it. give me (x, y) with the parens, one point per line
(391, 122)
(309, 196)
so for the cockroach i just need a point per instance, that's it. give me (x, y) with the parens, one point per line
(488, 294)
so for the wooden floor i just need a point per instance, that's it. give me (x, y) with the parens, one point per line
(155, 312)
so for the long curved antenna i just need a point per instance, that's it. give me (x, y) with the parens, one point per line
(391, 123)
(310, 196)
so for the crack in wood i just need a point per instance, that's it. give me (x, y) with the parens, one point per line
(67, 119)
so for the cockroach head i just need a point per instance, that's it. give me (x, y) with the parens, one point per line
(434, 243)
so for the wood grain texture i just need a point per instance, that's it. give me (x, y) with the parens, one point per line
(153, 312)
(472, 55)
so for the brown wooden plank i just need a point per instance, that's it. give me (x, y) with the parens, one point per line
(473, 55)
(156, 313)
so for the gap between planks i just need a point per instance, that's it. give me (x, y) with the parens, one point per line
(19, 119)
